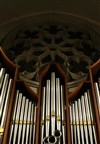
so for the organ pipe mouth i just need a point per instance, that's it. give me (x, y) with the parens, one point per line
(52, 140)
(57, 134)
(45, 140)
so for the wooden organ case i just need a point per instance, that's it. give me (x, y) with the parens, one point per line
(52, 116)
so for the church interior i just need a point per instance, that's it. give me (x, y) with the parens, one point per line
(49, 72)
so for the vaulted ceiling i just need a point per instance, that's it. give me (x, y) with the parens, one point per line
(12, 9)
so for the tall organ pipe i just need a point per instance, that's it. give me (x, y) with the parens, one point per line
(25, 120)
(77, 122)
(88, 117)
(92, 118)
(13, 118)
(84, 120)
(81, 121)
(17, 118)
(47, 119)
(34, 126)
(52, 103)
(21, 120)
(71, 122)
(57, 132)
(47, 107)
(43, 113)
(63, 113)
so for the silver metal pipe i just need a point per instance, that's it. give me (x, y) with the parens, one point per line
(17, 118)
(72, 128)
(53, 98)
(84, 120)
(21, 120)
(63, 134)
(5, 108)
(42, 134)
(63, 114)
(43, 113)
(58, 132)
(81, 121)
(74, 125)
(34, 126)
(92, 118)
(77, 123)
(3, 94)
(31, 125)
(97, 92)
(25, 120)
(89, 123)
(47, 125)
(2, 73)
(13, 117)
(58, 106)
(28, 123)
(43, 103)
(62, 103)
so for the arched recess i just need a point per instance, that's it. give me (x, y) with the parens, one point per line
(33, 41)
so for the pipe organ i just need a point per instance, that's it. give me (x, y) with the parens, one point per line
(53, 116)
(53, 111)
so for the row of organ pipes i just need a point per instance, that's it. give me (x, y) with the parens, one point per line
(6, 83)
(83, 128)
(97, 93)
(23, 125)
(53, 128)
(53, 111)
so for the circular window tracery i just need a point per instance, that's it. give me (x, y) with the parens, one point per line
(33, 47)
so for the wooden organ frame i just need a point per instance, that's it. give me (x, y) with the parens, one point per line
(94, 72)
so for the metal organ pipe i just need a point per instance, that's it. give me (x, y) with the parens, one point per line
(13, 117)
(54, 112)
(63, 114)
(53, 98)
(43, 113)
